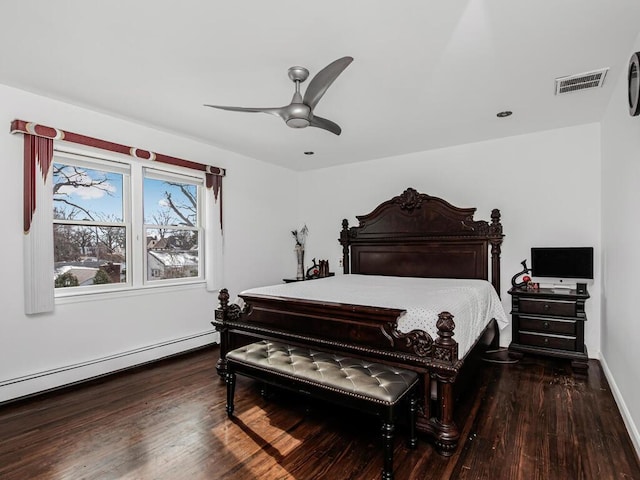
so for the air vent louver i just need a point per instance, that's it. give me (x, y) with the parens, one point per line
(581, 81)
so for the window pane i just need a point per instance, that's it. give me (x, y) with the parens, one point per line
(88, 255)
(170, 203)
(81, 193)
(172, 253)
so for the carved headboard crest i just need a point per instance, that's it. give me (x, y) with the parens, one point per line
(409, 200)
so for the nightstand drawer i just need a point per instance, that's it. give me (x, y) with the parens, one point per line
(545, 325)
(548, 341)
(548, 307)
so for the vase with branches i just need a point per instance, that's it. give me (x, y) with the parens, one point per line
(300, 237)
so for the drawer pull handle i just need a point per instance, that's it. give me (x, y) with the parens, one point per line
(546, 324)
(546, 341)
(546, 306)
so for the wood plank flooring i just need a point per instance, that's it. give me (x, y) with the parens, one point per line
(166, 421)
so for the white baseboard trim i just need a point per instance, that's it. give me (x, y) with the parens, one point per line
(37, 382)
(622, 406)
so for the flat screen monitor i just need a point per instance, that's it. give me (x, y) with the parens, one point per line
(562, 262)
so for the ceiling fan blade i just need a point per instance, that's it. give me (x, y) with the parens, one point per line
(325, 124)
(323, 80)
(271, 111)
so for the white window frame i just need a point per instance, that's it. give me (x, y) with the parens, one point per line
(133, 204)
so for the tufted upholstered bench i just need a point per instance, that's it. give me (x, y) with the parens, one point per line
(371, 387)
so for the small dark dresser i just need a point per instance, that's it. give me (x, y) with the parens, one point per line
(550, 322)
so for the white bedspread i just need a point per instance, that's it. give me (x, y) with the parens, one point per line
(472, 302)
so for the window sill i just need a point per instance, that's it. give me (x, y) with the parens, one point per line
(80, 297)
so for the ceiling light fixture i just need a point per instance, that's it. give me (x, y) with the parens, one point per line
(504, 114)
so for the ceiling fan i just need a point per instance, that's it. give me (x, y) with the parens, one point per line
(299, 113)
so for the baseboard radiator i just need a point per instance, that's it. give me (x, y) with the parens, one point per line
(39, 382)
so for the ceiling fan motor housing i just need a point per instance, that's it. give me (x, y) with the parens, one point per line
(297, 115)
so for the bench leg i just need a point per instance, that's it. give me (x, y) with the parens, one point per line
(387, 442)
(413, 408)
(230, 378)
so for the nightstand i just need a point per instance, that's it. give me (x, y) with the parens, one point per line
(550, 322)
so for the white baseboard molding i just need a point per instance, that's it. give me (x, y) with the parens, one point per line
(622, 406)
(39, 382)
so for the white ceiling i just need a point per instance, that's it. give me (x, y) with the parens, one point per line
(426, 74)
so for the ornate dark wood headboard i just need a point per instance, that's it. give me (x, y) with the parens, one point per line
(418, 235)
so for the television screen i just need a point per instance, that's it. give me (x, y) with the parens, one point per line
(562, 262)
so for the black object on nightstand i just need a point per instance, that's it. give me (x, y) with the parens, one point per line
(550, 322)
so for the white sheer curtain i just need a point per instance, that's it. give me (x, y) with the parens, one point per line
(38, 233)
(214, 246)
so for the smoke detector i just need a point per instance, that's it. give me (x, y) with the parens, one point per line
(581, 81)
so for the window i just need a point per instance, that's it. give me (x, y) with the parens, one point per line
(119, 224)
(172, 226)
(91, 225)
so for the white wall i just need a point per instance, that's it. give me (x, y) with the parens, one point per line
(87, 338)
(621, 255)
(547, 186)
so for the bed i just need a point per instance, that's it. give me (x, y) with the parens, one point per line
(409, 244)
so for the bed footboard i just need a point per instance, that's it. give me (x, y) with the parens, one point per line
(367, 332)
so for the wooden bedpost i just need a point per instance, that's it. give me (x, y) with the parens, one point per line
(221, 316)
(445, 348)
(446, 431)
(344, 240)
(495, 237)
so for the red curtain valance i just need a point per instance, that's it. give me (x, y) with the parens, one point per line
(20, 126)
(39, 150)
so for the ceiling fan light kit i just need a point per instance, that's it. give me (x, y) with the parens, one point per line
(299, 113)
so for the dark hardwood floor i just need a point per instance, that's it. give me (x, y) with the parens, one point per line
(167, 421)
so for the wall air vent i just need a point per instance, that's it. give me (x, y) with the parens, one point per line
(581, 81)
